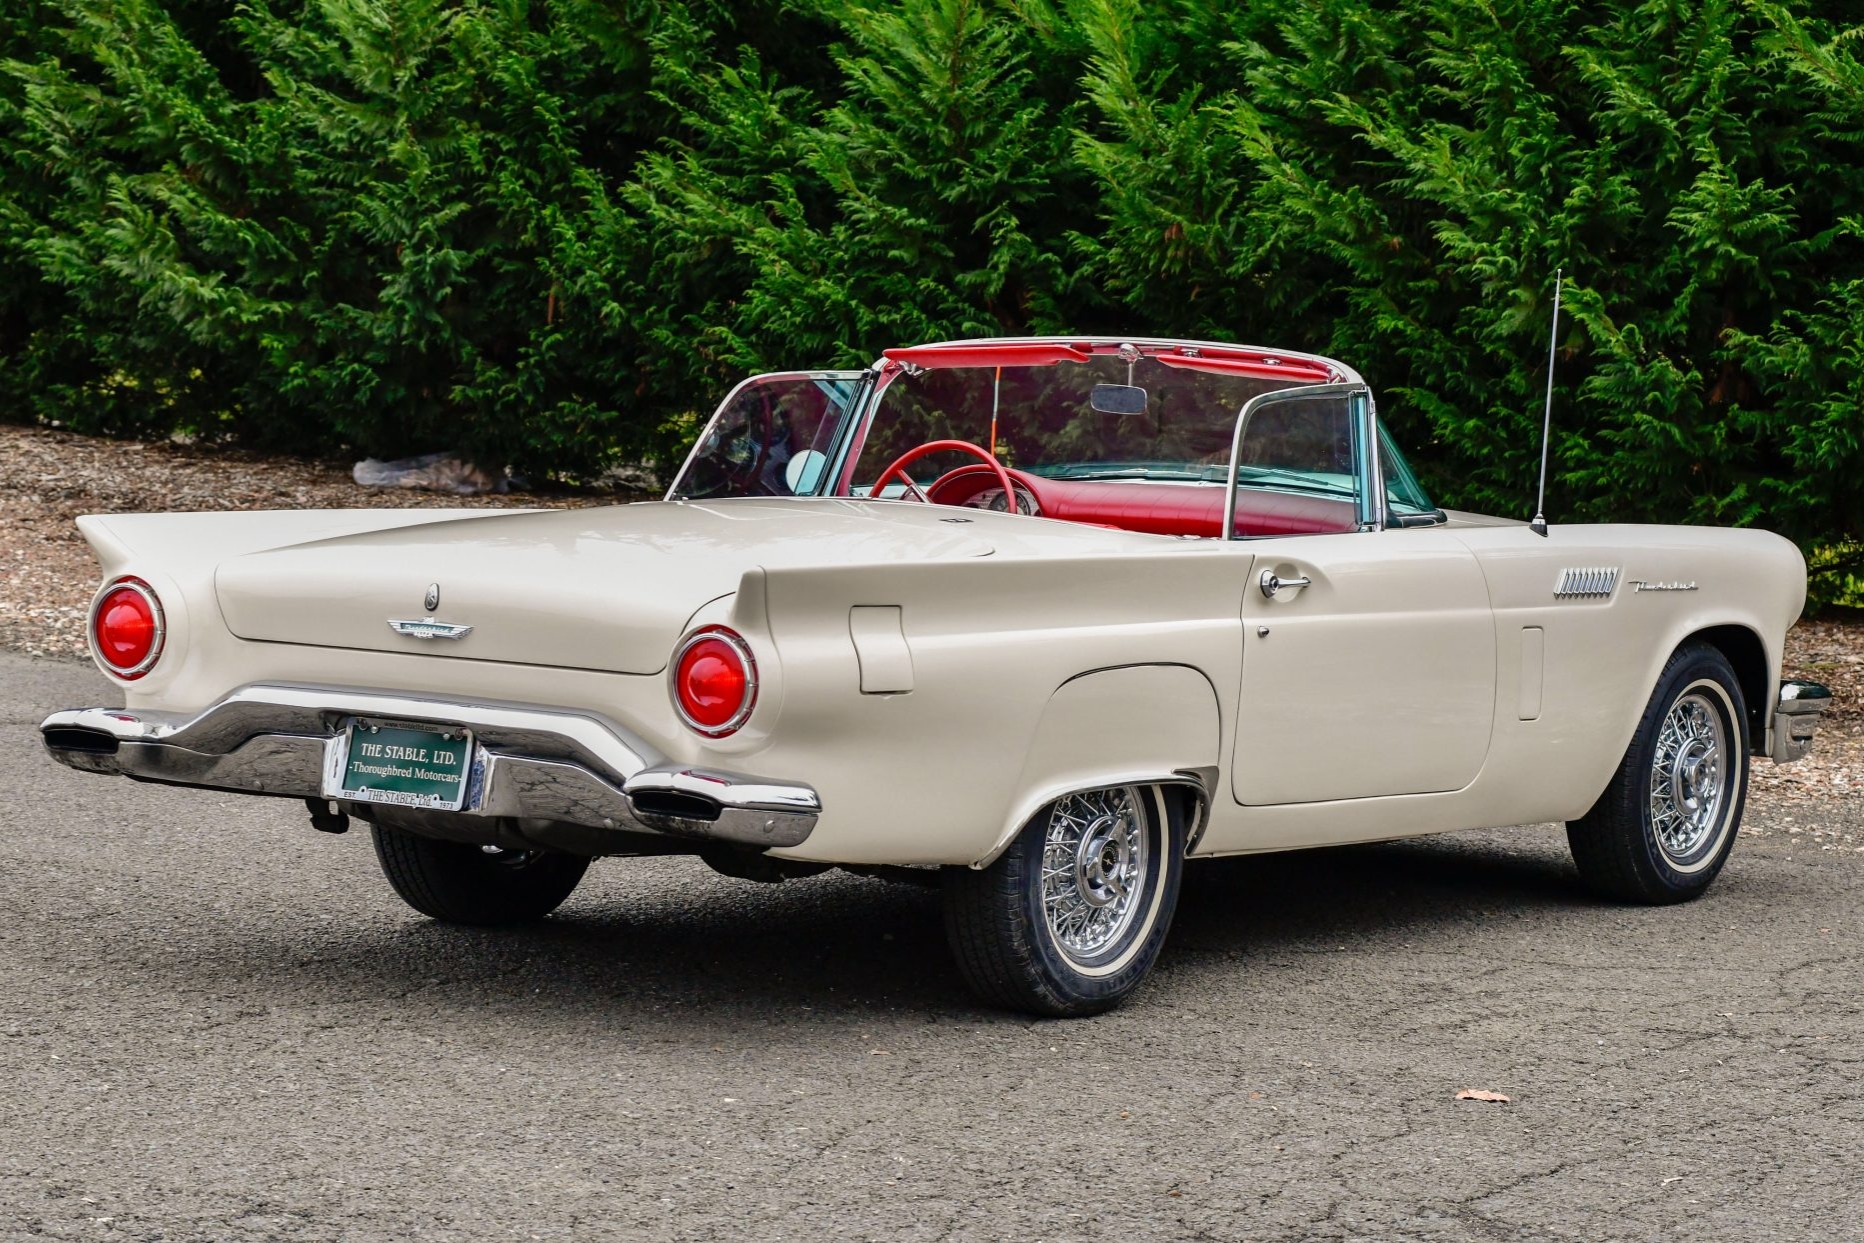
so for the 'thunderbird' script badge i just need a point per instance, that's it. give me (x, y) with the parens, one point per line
(1638, 584)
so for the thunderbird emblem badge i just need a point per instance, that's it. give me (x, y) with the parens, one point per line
(428, 628)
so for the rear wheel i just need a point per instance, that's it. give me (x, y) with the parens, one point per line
(1069, 920)
(466, 884)
(1667, 823)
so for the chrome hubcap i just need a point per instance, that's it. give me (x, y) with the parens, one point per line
(1686, 782)
(1095, 861)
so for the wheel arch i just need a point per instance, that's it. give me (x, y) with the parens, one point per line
(1747, 653)
(1150, 725)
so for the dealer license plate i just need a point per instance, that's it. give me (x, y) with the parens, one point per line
(407, 765)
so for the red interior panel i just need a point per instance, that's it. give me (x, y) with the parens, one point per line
(1175, 509)
(1161, 508)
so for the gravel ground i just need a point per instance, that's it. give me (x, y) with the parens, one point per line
(218, 1025)
(51, 477)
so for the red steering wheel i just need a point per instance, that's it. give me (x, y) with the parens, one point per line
(935, 446)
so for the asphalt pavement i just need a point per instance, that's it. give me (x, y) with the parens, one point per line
(217, 1024)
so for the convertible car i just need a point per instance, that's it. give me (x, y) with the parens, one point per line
(1036, 621)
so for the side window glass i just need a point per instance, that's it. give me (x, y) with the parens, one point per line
(1300, 468)
(1311, 439)
(1402, 490)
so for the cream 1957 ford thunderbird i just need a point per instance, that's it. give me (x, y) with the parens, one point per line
(1034, 620)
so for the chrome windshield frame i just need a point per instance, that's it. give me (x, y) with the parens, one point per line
(874, 380)
(1369, 503)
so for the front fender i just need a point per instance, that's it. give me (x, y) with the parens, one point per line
(1139, 724)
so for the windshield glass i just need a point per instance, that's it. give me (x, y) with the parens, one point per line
(1116, 435)
(773, 435)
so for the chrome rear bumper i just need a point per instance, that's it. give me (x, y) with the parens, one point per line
(1796, 719)
(528, 763)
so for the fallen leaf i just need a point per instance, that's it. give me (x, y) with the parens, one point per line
(1477, 1094)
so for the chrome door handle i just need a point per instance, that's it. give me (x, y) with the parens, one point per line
(1272, 582)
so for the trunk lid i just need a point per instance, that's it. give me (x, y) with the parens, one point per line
(607, 589)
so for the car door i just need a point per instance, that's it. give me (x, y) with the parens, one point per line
(1376, 678)
(1368, 655)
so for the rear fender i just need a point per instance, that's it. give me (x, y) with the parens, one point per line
(1135, 725)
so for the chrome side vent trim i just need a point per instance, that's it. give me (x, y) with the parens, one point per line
(1588, 582)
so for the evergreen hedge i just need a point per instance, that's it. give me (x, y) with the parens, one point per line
(549, 232)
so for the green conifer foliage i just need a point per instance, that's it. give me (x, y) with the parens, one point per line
(549, 232)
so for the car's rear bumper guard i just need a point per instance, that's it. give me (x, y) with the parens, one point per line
(528, 763)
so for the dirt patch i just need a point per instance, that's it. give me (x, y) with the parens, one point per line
(1831, 652)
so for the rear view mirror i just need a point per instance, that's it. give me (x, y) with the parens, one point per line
(1118, 399)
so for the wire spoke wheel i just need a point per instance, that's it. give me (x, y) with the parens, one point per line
(1664, 826)
(1688, 778)
(1096, 858)
(1069, 919)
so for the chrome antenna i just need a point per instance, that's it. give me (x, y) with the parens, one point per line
(1539, 525)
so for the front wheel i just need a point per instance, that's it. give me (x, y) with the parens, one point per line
(465, 884)
(1666, 824)
(1069, 920)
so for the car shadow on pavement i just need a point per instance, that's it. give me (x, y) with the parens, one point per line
(1293, 897)
(667, 943)
(675, 936)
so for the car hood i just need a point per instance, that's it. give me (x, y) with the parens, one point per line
(608, 589)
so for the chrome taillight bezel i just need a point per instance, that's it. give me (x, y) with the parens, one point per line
(128, 673)
(742, 650)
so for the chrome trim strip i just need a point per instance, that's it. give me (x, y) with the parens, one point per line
(1200, 781)
(1377, 502)
(1796, 716)
(528, 763)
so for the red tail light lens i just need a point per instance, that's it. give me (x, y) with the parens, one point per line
(126, 628)
(714, 681)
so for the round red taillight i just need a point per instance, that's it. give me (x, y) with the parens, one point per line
(126, 628)
(714, 681)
